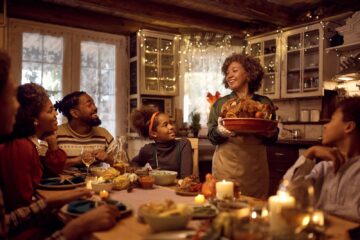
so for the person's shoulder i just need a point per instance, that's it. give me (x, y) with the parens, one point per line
(102, 132)
(23, 145)
(262, 99)
(148, 147)
(62, 129)
(222, 100)
(184, 141)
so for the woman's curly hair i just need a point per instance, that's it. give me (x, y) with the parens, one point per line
(69, 102)
(140, 120)
(32, 98)
(254, 70)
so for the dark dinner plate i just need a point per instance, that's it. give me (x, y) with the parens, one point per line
(78, 207)
(60, 184)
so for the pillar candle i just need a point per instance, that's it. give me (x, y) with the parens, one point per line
(200, 199)
(224, 189)
(279, 226)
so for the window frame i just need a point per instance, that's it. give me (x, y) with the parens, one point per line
(71, 68)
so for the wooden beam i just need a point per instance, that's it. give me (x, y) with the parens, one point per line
(250, 11)
(73, 17)
(164, 15)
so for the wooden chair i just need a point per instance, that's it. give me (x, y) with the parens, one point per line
(195, 147)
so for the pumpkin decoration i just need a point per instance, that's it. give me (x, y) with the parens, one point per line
(208, 187)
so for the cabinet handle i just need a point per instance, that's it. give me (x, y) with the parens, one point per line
(279, 154)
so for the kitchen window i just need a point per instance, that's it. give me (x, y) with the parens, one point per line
(64, 60)
(42, 62)
(97, 78)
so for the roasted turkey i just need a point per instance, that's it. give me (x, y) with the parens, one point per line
(246, 108)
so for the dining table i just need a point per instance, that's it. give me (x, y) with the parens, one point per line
(132, 228)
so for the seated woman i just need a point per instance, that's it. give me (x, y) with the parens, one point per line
(12, 222)
(165, 153)
(337, 177)
(36, 118)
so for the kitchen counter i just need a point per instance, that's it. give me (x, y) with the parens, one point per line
(301, 142)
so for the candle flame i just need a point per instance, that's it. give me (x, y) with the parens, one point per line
(305, 221)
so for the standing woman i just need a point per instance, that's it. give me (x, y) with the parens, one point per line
(241, 157)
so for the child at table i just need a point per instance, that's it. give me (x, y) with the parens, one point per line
(337, 178)
(165, 152)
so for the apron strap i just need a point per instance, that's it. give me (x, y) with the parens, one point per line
(178, 157)
(155, 155)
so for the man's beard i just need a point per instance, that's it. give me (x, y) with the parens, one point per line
(93, 122)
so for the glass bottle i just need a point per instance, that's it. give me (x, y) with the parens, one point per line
(121, 160)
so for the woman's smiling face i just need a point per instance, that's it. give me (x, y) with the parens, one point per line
(236, 77)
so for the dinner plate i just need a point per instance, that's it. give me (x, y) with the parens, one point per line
(249, 125)
(92, 205)
(56, 184)
(185, 193)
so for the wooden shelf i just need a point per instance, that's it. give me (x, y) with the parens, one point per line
(269, 55)
(344, 47)
(321, 122)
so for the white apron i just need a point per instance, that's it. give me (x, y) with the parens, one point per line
(242, 159)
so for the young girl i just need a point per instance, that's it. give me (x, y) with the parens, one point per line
(166, 152)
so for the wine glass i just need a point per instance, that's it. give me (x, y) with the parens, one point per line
(87, 158)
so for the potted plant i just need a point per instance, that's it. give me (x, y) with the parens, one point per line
(195, 123)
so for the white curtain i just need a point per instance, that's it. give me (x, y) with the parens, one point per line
(200, 70)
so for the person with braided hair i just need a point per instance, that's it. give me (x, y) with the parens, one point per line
(165, 152)
(82, 132)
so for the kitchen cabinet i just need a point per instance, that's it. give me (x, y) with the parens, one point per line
(280, 159)
(304, 67)
(267, 50)
(153, 71)
(154, 63)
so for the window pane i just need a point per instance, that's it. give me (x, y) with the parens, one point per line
(32, 47)
(53, 47)
(42, 62)
(89, 54)
(98, 79)
(31, 73)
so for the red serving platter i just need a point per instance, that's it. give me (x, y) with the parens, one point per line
(249, 125)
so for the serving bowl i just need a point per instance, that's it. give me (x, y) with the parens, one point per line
(164, 177)
(99, 186)
(147, 182)
(170, 220)
(249, 125)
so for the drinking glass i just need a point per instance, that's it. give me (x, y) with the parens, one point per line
(87, 158)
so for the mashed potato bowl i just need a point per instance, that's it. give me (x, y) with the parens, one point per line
(164, 177)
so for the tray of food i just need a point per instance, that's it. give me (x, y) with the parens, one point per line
(248, 116)
(189, 186)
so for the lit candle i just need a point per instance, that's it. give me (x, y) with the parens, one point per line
(200, 199)
(317, 218)
(88, 184)
(224, 190)
(104, 194)
(278, 224)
